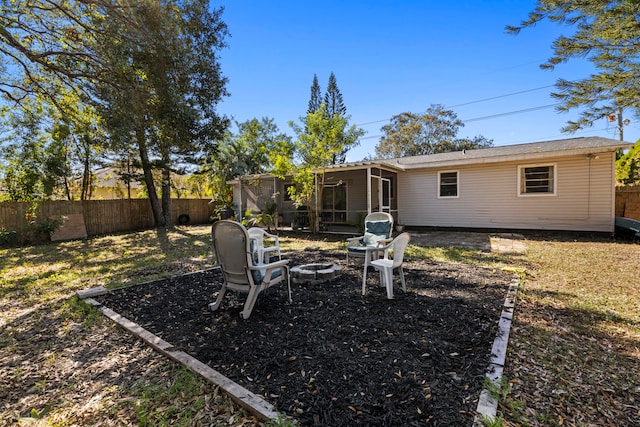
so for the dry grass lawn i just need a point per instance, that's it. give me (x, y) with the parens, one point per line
(573, 356)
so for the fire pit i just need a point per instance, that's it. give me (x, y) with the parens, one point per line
(315, 273)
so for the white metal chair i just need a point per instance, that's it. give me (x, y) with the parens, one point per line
(231, 244)
(386, 265)
(262, 253)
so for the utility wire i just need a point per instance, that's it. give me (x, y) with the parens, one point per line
(501, 96)
(541, 138)
(509, 113)
(493, 116)
(476, 102)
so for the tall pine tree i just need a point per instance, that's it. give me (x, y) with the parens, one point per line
(333, 98)
(316, 99)
(335, 106)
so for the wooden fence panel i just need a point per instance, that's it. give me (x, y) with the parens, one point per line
(12, 216)
(197, 212)
(103, 216)
(628, 202)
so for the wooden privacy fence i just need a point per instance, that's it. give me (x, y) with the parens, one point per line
(628, 201)
(104, 216)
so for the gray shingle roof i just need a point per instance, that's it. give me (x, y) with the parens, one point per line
(569, 146)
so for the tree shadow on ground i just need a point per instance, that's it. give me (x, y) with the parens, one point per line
(573, 365)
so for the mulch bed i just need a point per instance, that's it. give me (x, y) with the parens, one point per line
(334, 357)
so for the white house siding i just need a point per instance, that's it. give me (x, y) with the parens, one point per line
(488, 197)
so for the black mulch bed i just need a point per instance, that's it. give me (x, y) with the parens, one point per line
(334, 357)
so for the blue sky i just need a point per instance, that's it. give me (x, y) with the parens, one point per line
(392, 57)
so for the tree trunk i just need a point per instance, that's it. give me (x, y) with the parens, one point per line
(86, 181)
(166, 196)
(148, 180)
(67, 190)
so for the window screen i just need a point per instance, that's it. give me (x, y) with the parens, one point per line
(448, 184)
(537, 180)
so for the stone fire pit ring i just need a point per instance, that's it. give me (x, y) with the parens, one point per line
(315, 273)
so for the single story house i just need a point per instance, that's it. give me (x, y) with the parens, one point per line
(565, 184)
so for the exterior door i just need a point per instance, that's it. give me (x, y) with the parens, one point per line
(385, 195)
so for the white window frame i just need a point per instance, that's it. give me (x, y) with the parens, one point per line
(457, 184)
(554, 191)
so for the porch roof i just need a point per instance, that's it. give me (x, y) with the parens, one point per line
(341, 167)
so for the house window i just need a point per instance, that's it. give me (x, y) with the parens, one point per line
(537, 180)
(448, 184)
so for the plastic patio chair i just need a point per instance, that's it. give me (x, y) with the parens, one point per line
(262, 253)
(378, 227)
(386, 265)
(232, 247)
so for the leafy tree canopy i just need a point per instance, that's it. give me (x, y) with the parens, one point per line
(320, 138)
(333, 104)
(149, 68)
(434, 131)
(628, 167)
(606, 33)
(247, 152)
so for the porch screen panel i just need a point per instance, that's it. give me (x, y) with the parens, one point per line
(334, 203)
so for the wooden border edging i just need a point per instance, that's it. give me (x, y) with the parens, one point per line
(243, 397)
(488, 404)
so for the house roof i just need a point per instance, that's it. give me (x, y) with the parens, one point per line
(109, 177)
(530, 151)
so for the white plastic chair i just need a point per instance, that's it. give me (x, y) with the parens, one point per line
(262, 253)
(232, 247)
(386, 265)
(378, 227)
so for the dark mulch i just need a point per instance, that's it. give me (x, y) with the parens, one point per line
(334, 357)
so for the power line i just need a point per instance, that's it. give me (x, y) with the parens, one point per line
(476, 102)
(581, 132)
(493, 116)
(501, 96)
(509, 113)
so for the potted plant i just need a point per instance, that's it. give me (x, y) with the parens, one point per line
(225, 208)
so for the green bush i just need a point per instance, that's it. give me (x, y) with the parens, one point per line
(7, 237)
(47, 225)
